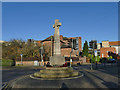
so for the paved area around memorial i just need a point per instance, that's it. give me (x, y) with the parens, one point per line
(103, 77)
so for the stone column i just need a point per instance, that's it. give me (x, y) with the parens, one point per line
(57, 59)
(57, 51)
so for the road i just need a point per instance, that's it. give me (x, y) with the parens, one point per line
(103, 77)
(11, 73)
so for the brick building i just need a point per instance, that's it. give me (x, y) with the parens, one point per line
(66, 45)
(106, 46)
(116, 45)
(104, 51)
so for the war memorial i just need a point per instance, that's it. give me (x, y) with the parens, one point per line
(56, 61)
(58, 76)
(60, 61)
(52, 76)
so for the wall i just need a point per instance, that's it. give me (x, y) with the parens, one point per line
(65, 52)
(28, 63)
(39, 43)
(115, 44)
(31, 63)
(80, 43)
(105, 43)
(117, 49)
(105, 49)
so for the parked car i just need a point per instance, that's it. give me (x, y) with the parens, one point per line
(111, 60)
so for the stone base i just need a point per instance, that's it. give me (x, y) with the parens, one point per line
(57, 60)
(56, 72)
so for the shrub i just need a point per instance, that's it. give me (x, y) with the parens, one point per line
(7, 62)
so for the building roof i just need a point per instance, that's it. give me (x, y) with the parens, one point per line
(114, 43)
(49, 38)
(72, 38)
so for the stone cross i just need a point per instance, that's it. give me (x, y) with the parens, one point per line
(57, 59)
(57, 51)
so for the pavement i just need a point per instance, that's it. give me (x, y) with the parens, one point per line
(102, 77)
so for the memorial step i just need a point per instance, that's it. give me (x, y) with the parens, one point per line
(55, 75)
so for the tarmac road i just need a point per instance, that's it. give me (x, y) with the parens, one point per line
(11, 73)
(103, 77)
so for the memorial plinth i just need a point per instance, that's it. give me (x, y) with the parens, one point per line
(57, 60)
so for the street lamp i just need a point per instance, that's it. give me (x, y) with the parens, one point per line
(96, 57)
(41, 53)
(71, 52)
(21, 58)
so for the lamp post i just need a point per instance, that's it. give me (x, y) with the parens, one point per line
(21, 58)
(91, 57)
(71, 52)
(70, 58)
(41, 54)
(91, 61)
(96, 57)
